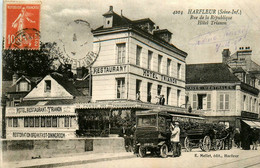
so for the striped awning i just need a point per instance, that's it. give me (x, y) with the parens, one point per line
(252, 124)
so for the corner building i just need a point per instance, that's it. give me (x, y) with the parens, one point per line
(136, 56)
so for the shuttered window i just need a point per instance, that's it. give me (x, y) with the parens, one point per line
(208, 101)
(224, 102)
(194, 100)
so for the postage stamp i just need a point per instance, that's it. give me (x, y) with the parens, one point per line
(22, 26)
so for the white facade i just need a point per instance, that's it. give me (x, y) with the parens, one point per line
(40, 120)
(109, 68)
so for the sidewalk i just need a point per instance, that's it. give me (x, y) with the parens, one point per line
(79, 158)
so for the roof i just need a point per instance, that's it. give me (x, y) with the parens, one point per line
(209, 73)
(32, 80)
(238, 70)
(120, 21)
(66, 84)
(162, 31)
(144, 21)
(81, 83)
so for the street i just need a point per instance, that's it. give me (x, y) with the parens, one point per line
(234, 158)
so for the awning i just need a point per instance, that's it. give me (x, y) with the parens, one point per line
(257, 123)
(185, 116)
(252, 123)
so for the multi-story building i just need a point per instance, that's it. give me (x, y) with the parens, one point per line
(225, 92)
(136, 65)
(136, 57)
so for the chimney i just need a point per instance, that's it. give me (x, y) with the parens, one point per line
(79, 73)
(15, 77)
(225, 55)
(163, 34)
(110, 8)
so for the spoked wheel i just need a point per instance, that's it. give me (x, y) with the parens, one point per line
(164, 151)
(142, 151)
(218, 144)
(206, 144)
(187, 144)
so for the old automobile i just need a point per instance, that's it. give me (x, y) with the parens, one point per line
(153, 133)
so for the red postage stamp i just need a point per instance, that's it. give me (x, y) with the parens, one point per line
(22, 26)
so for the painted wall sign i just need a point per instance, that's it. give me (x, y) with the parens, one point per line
(210, 87)
(157, 76)
(38, 135)
(39, 109)
(109, 69)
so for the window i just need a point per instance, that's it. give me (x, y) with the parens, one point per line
(26, 122)
(42, 121)
(178, 97)
(159, 89)
(47, 85)
(54, 122)
(224, 102)
(159, 63)
(244, 103)
(194, 101)
(250, 104)
(120, 88)
(15, 122)
(120, 53)
(208, 101)
(202, 101)
(168, 95)
(37, 121)
(10, 122)
(48, 121)
(253, 106)
(168, 67)
(31, 122)
(178, 70)
(150, 57)
(138, 87)
(149, 90)
(138, 55)
(23, 86)
(67, 122)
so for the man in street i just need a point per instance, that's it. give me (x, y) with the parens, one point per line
(175, 139)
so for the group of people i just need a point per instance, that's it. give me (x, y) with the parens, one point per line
(161, 99)
(246, 138)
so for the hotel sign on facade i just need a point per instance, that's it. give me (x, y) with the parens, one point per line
(210, 87)
(39, 109)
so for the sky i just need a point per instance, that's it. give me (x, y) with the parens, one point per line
(203, 43)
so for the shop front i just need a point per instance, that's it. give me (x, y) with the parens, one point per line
(250, 125)
(41, 122)
(112, 118)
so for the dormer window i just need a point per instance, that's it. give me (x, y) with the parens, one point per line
(23, 86)
(47, 87)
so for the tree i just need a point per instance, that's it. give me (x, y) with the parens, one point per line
(30, 62)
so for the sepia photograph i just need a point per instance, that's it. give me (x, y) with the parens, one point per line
(130, 84)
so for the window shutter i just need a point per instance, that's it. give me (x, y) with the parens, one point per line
(226, 101)
(208, 101)
(221, 102)
(194, 104)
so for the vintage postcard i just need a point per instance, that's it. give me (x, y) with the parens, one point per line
(125, 83)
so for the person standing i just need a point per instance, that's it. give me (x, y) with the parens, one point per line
(162, 100)
(138, 96)
(255, 137)
(149, 97)
(175, 139)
